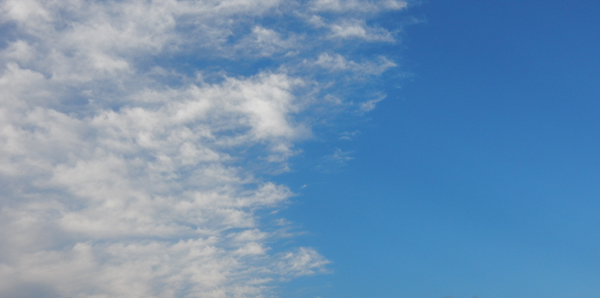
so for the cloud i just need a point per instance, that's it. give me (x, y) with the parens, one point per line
(369, 105)
(351, 28)
(335, 161)
(348, 29)
(348, 136)
(124, 167)
(304, 261)
(341, 156)
(267, 42)
(337, 62)
(342, 6)
(350, 16)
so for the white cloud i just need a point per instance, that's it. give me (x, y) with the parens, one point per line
(305, 261)
(123, 174)
(342, 156)
(337, 62)
(351, 28)
(356, 5)
(369, 105)
(267, 42)
(348, 136)
(348, 29)
(115, 194)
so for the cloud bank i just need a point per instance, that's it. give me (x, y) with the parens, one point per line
(126, 132)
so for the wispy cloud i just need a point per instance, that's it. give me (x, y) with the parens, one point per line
(335, 161)
(122, 167)
(365, 6)
(337, 62)
(349, 28)
(348, 136)
(369, 105)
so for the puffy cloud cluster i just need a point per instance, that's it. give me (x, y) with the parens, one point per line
(122, 172)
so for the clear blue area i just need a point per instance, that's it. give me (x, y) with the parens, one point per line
(479, 175)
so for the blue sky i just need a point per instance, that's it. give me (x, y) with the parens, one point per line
(301, 149)
(478, 174)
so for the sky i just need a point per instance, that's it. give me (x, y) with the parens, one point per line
(301, 149)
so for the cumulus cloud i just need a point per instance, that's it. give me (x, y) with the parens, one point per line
(122, 167)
